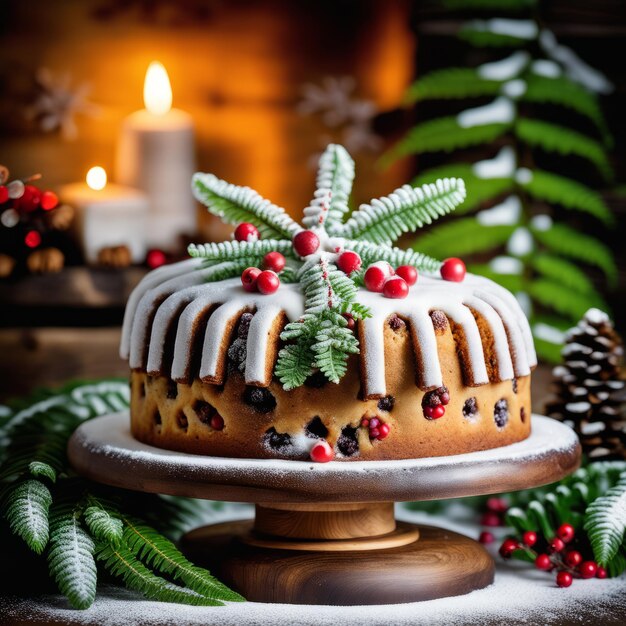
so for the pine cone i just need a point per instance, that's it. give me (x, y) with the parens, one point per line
(45, 261)
(7, 263)
(61, 217)
(589, 391)
(114, 256)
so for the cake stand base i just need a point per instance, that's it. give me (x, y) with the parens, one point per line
(440, 563)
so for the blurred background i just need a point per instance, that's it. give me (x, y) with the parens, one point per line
(532, 91)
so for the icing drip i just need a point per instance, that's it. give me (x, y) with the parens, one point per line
(206, 313)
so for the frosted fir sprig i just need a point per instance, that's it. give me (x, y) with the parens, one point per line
(323, 338)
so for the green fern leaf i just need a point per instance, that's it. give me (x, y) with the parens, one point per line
(562, 271)
(562, 91)
(103, 523)
(122, 563)
(560, 298)
(26, 507)
(443, 134)
(334, 184)
(370, 253)
(477, 33)
(569, 194)
(462, 236)
(37, 469)
(406, 209)
(294, 364)
(70, 557)
(606, 522)
(240, 250)
(161, 554)
(451, 83)
(553, 138)
(512, 282)
(234, 204)
(478, 190)
(570, 243)
(617, 565)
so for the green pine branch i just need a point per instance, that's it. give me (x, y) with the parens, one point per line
(371, 252)
(240, 250)
(554, 295)
(451, 83)
(235, 204)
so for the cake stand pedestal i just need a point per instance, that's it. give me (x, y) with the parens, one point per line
(326, 533)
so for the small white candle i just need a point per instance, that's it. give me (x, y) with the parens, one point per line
(107, 215)
(156, 153)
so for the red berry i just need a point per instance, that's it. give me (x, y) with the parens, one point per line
(350, 319)
(349, 262)
(365, 422)
(444, 398)
(4, 194)
(486, 537)
(395, 287)
(155, 258)
(564, 579)
(543, 562)
(565, 532)
(376, 274)
(321, 452)
(246, 232)
(217, 422)
(601, 573)
(374, 433)
(274, 261)
(491, 519)
(249, 278)
(49, 200)
(588, 569)
(434, 412)
(529, 538)
(507, 548)
(267, 282)
(409, 273)
(32, 239)
(30, 200)
(556, 545)
(306, 242)
(374, 422)
(498, 505)
(383, 431)
(453, 269)
(573, 558)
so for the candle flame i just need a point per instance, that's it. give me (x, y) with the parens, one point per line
(96, 178)
(157, 91)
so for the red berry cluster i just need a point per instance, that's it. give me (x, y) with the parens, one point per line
(434, 403)
(494, 514)
(377, 429)
(558, 556)
(265, 282)
(380, 277)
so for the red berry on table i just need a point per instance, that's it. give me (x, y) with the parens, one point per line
(564, 579)
(588, 569)
(217, 422)
(573, 558)
(306, 242)
(565, 532)
(155, 258)
(601, 573)
(32, 239)
(486, 537)
(4, 194)
(349, 262)
(529, 538)
(409, 273)
(498, 505)
(556, 545)
(350, 319)
(507, 548)
(49, 200)
(490, 519)
(249, 278)
(395, 287)
(321, 452)
(267, 282)
(453, 269)
(376, 275)
(247, 232)
(383, 431)
(274, 261)
(543, 562)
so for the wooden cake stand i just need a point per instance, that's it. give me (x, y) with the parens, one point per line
(326, 533)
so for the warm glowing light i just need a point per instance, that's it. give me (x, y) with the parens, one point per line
(157, 91)
(97, 178)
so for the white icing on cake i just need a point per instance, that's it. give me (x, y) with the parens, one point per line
(178, 298)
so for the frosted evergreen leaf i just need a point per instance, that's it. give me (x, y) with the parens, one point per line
(385, 219)
(451, 83)
(295, 364)
(71, 557)
(240, 250)
(38, 469)
(25, 507)
(478, 33)
(605, 522)
(235, 204)
(370, 253)
(334, 184)
(103, 524)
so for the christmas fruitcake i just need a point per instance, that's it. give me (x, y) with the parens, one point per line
(320, 341)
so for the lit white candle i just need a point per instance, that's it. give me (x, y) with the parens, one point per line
(107, 215)
(156, 153)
